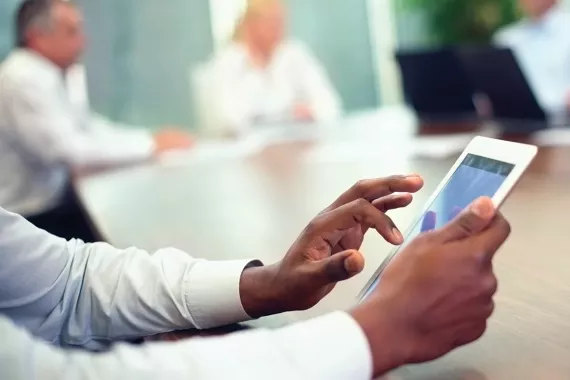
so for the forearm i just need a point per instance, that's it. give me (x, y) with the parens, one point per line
(113, 143)
(56, 136)
(331, 347)
(116, 294)
(78, 294)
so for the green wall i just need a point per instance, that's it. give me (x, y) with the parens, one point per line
(339, 33)
(140, 52)
(7, 9)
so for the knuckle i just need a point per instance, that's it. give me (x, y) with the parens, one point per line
(506, 227)
(479, 330)
(488, 309)
(361, 204)
(468, 223)
(360, 187)
(392, 181)
(313, 226)
(358, 209)
(473, 260)
(503, 225)
(471, 334)
(490, 285)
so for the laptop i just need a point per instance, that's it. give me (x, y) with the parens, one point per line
(496, 73)
(436, 85)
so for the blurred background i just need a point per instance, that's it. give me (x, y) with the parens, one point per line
(142, 52)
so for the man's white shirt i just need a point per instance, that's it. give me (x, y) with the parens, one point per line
(47, 128)
(243, 95)
(542, 48)
(59, 297)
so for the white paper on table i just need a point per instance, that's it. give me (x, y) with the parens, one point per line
(435, 147)
(352, 151)
(445, 146)
(212, 151)
(440, 147)
(271, 135)
(552, 137)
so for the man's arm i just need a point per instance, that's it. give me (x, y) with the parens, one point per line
(231, 107)
(331, 347)
(44, 126)
(75, 294)
(323, 98)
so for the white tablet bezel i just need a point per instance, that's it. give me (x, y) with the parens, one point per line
(519, 155)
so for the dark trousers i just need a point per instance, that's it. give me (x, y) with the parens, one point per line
(66, 221)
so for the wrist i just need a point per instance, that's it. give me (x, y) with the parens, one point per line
(385, 339)
(259, 291)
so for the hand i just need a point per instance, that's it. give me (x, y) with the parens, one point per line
(326, 252)
(302, 112)
(172, 139)
(436, 294)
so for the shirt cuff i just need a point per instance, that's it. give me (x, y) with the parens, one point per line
(333, 347)
(212, 293)
(141, 143)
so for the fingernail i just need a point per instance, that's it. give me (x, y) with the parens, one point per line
(397, 234)
(413, 176)
(480, 208)
(353, 265)
(348, 266)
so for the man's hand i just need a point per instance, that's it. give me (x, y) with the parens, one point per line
(172, 139)
(302, 112)
(436, 294)
(326, 252)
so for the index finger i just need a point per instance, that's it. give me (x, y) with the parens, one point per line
(359, 212)
(372, 189)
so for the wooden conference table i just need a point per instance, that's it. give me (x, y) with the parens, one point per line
(254, 207)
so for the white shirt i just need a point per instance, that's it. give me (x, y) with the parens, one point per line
(542, 48)
(245, 95)
(56, 295)
(46, 128)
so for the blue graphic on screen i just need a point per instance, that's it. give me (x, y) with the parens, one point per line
(476, 177)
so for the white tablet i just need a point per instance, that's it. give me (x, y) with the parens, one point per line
(487, 167)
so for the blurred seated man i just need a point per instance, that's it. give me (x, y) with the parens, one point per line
(262, 79)
(435, 295)
(47, 131)
(541, 43)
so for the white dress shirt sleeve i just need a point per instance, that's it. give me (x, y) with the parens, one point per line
(328, 348)
(231, 109)
(46, 127)
(88, 295)
(137, 136)
(317, 87)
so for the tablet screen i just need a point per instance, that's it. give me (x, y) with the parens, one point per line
(475, 177)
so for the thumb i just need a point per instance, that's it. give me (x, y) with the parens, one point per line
(473, 220)
(341, 266)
